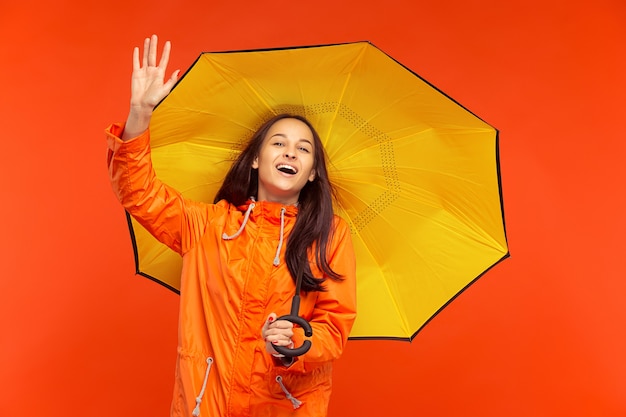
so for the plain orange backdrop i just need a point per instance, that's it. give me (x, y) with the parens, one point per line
(541, 334)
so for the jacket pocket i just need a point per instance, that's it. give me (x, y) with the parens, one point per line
(303, 386)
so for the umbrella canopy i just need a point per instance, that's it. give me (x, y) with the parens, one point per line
(417, 174)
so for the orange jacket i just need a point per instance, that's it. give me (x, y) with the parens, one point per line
(229, 287)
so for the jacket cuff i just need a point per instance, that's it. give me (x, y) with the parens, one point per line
(116, 144)
(284, 361)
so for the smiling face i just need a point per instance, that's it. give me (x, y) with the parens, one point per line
(285, 161)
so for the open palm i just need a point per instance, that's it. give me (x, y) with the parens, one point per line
(148, 85)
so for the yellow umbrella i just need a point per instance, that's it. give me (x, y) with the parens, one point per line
(416, 173)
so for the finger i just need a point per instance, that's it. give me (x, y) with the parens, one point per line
(172, 80)
(271, 318)
(152, 52)
(282, 342)
(146, 47)
(165, 56)
(287, 332)
(136, 64)
(278, 341)
(282, 324)
(274, 333)
(267, 323)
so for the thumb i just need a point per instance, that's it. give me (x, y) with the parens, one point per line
(270, 319)
(169, 84)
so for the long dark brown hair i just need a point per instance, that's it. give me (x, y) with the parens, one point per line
(314, 222)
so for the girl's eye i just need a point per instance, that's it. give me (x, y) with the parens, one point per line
(278, 144)
(303, 149)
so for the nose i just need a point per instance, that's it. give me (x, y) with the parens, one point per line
(290, 153)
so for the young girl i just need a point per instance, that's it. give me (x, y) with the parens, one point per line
(241, 255)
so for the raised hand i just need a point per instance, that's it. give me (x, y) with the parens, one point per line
(148, 85)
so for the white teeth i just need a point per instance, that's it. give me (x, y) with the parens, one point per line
(286, 169)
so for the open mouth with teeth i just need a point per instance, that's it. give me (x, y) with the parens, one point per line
(287, 169)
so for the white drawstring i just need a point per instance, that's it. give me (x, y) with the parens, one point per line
(294, 401)
(276, 262)
(280, 242)
(243, 224)
(196, 411)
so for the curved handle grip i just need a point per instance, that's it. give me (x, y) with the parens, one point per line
(308, 332)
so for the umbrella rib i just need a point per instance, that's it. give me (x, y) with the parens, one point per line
(338, 108)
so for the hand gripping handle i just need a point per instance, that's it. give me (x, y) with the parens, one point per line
(308, 332)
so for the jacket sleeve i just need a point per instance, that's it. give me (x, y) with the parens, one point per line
(160, 209)
(335, 309)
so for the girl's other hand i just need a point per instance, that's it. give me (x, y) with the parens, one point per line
(148, 85)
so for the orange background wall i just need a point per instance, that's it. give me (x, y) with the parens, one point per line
(542, 334)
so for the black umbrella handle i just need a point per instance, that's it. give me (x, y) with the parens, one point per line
(308, 331)
(296, 319)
